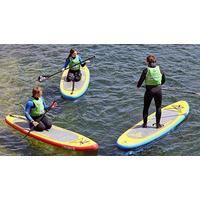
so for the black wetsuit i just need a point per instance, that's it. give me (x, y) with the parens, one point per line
(44, 123)
(75, 75)
(152, 92)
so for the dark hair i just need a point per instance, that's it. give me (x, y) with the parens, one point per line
(151, 59)
(71, 52)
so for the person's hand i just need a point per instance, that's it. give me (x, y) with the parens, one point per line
(63, 69)
(54, 104)
(35, 123)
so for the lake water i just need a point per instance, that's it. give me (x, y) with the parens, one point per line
(112, 103)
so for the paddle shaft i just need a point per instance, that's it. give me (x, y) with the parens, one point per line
(48, 76)
(186, 92)
(174, 90)
(73, 84)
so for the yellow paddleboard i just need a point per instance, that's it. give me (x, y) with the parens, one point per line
(172, 115)
(56, 136)
(80, 87)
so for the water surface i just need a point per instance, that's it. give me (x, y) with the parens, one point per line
(112, 103)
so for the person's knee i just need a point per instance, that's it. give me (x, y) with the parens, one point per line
(70, 77)
(158, 109)
(78, 78)
(40, 127)
(48, 125)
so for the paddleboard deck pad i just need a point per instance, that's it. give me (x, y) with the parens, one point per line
(80, 87)
(172, 115)
(56, 136)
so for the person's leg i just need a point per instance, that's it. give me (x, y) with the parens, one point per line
(47, 122)
(158, 103)
(40, 127)
(147, 101)
(78, 76)
(70, 76)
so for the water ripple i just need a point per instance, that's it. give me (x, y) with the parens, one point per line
(112, 103)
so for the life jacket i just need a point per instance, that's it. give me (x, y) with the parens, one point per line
(74, 61)
(39, 107)
(153, 76)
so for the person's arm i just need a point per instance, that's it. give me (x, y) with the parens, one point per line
(142, 78)
(29, 105)
(66, 63)
(80, 61)
(45, 105)
(163, 78)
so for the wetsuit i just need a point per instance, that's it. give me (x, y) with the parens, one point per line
(44, 123)
(74, 73)
(152, 92)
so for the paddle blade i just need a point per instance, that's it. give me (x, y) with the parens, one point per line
(53, 104)
(42, 78)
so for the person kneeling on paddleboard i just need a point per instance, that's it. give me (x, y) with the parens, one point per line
(154, 78)
(35, 108)
(73, 61)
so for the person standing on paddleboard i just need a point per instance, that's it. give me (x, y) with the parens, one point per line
(73, 61)
(35, 108)
(154, 77)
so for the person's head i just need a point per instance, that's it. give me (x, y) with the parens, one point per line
(37, 92)
(151, 60)
(72, 53)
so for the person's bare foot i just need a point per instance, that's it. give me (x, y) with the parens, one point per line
(159, 125)
(144, 125)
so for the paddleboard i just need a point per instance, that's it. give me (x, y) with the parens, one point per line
(172, 115)
(80, 87)
(56, 136)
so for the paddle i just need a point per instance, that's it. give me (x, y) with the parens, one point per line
(73, 83)
(42, 78)
(186, 92)
(40, 118)
(175, 90)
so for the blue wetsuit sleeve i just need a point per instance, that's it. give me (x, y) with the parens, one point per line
(29, 105)
(80, 59)
(45, 105)
(66, 63)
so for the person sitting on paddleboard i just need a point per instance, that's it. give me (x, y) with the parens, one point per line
(74, 73)
(35, 108)
(154, 77)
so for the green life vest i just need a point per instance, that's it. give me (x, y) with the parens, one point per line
(74, 62)
(39, 107)
(153, 76)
